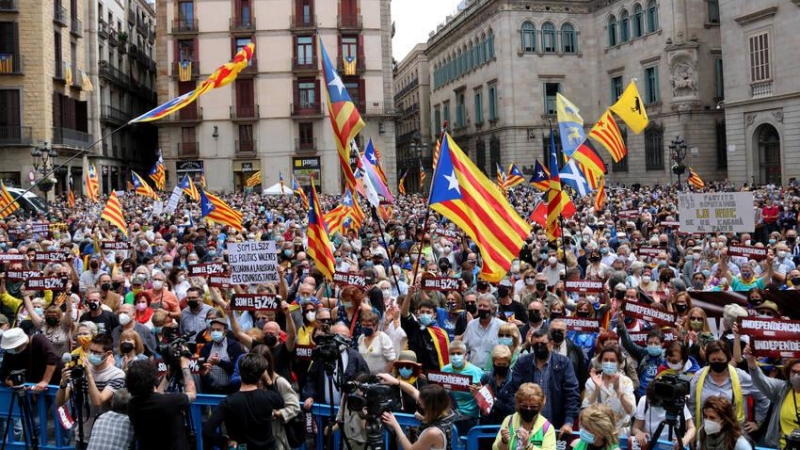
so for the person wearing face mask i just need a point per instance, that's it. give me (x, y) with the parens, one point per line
(747, 280)
(425, 339)
(180, 282)
(480, 335)
(679, 303)
(720, 378)
(543, 365)
(467, 406)
(128, 322)
(496, 379)
(508, 309)
(408, 370)
(35, 354)
(130, 348)
(699, 283)
(163, 298)
(557, 331)
(678, 361)
(193, 317)
(783, 263)
(90, 277)
(278, 345)
(103, 378)
(650, 358)
(721, 430)
(107, 296)
(693, 264)
(696, 323)
(792, 281)
(598, 430)
(584, 309)
(219, 356)
(375, 346)
(527, 427)
(784, 395)
(105, 320)
(649, 414)
(611, 388)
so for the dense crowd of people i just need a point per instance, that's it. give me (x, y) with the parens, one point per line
(149, 335)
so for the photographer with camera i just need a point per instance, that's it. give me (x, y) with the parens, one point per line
(344, 359)
(651, 412)
(101, 380)
(34, 354)
(784, 422)
(247, 414)
(158, 418)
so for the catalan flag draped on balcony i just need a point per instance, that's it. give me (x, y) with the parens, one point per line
(113, 213)
(215, 210)
(86, 83)
(225, 74)
(141, 187)
(460, 192)
(6, 63)
(159, 173)
(92, 183)
(189, 188)
(345, 119)
(185, 71)
(299, 191)
(349, 63)
(254, 180)
(7, 203)
(319, 244)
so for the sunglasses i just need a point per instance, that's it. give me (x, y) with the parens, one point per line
(505, 336)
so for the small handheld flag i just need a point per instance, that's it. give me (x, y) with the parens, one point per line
(695, 180)
(92, 184)
(141, 187)
(189, 188)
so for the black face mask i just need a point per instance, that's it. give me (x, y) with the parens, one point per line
(116, 285)
(52, 321)
(270, 340)
(126, 347)
(93, 306)
(502, 292)
(541, 286)
(556, 315)
(484, 313)
(795, 281)
(535, 316)
(557, 336)
(105, 286)
(619, 295)
(193, 304)
(541, 351)
(594, 259)
(791, 240)
(501, 370)
(527, 415)
(718, 366)
(681, 307)
(471, 308)
(444, 268)
(583, 314)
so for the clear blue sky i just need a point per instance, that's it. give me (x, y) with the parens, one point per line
(414, 19)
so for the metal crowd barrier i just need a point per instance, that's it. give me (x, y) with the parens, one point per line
(53, 437)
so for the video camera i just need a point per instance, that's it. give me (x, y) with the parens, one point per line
(174, 347)
(73, 362)
(329, 347)
(17, 378)
(376, 398)
(669, 392)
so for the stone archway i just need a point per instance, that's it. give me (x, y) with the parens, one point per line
(768, 142)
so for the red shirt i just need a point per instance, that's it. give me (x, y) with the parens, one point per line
(770, 213)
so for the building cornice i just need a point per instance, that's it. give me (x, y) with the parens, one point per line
(756, 16)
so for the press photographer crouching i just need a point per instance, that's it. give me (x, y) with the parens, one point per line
(94, 378)
(35, 355)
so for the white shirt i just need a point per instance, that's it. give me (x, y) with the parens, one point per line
(653, 416)
(481, 341)
(609, 397)
(380, 352)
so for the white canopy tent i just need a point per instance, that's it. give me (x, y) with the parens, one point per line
(275, 189)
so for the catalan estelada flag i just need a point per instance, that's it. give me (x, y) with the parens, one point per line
(70, 193)
(607, 133)
(141, 187)
(460, 192)
(345, 119)
(6, 63)
(113, 213)
(319, 244)
(159, 173)
(299, 191)
(401, 185)
(373, 155)
(7, 203)
(215, 210)
(254, 180)
(189, 188)
(695, 180)
(421, 176)
(558, 202)
(222, 76)
(501, 177)
(541, 177)
(92, 183)
(514, 176)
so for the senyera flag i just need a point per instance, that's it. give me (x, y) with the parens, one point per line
(225, 74)
(113, 213)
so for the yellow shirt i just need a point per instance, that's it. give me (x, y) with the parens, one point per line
(788, 415)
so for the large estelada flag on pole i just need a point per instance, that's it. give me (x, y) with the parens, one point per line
(319, 244)
(113, 213)
(463, 194)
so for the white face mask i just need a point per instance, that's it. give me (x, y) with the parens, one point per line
(676, 367)
(311, 316)
(124, 319)
(387, 293)
(712, 427)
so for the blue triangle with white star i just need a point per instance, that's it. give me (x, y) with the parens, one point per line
(445, 185)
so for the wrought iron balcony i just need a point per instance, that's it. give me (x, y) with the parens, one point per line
(303, 22)
(16, 135)
(113, 74)
(184, 26)
(305, 109)
(102, 29)
(76, 27)
(305, 145)
(71, 138)
(113, 115)
(60, 15)
(242, 24)
(245, 112)
(9, 6)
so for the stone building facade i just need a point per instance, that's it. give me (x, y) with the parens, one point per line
(274, 117)
(498, 64)
(412, 103)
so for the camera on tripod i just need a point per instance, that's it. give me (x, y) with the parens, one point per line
(329, 347)
(793, 440)
(17, 378)
(669, 392)
(175, 347)
(376, 398)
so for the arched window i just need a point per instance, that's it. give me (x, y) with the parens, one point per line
(548, 38)
(638, 21)
(482, 50)
(569, 40)
(652, 16)
(528, 34)
(490, 45)
(624, 31)
(612, 31)
(469, 57)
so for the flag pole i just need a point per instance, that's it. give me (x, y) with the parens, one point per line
(70, 159)
(560, 215)
(428, 209)
(377, 218)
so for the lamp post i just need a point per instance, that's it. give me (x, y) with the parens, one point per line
(677, 150)
(44, 157)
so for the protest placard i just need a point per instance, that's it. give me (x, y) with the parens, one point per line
(10, 257)
(651, 251)
(452, 234)
(220, 280)
(204, 270)
(754, 253)
(722, 212)
(158, 207)
(485, 399)
(628, 214)
(303, 352)
(48, 257)
(253, 262)
(115, 245)
(670, 223)
(195, 364)
(641, 338)
(40, 229)
(776, 348)
(769, 328)
(649, 314)
(255, 302)
(583, 286)
(45, 284)
(22, 274)
(451, 381)
(349, 279)
(582, 324)
(174, 198)
(440, 284)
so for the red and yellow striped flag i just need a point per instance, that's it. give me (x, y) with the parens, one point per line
(600, 195)
(436, 154)
(113, 213)
(7, 203)
(254, 180)
(401, 185)
(319, 244)
(216, 210)
(695, 180)
(92, 184)
(141, 187)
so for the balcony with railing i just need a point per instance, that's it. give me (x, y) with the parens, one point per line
(762, 89)
(350, 22)
(141, 26)
(194, 70)
(112, 37)
(306, 109)
(251, 69)
(71, 138)
(113, 74)
(102, 29)
(305, 64)
(9, 6)
(10, 64)
(77, 77)
(16, 135)
(242, 24)
(246, 147)
(184, 26)
(188, 148)
(407, 88)
(76, 27)
(409, 111)
(113, 115)
(190, 114)
(360, 65)
(305, 145)
(151, 36)
(133, 51)
(245, 112)
(60, 15)
(303, 22)
(122, 46)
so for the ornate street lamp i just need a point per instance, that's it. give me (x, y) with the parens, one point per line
(677, 150)
(44, 158)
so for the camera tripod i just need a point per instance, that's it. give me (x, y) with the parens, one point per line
(676, 424)
(80, 403)
(176, 384)
(28, 427)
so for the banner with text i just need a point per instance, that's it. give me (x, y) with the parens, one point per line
(723, 212)
(649, 314)
(254, 302)
(451, 381)
(583, 286)
(253, 262)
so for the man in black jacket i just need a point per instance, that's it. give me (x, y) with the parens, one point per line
(557, 331)
(316, 388)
